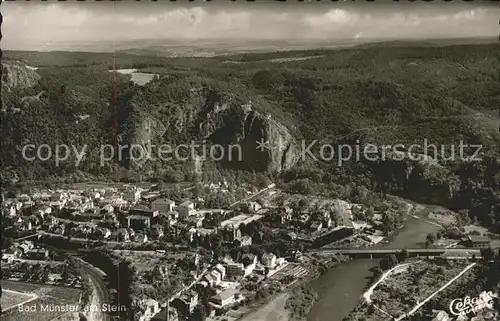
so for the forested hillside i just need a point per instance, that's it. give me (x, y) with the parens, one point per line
(382, 95)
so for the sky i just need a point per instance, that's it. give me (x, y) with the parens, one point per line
(29, 25)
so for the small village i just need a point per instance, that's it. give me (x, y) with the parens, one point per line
(234, 255)
(195, 253)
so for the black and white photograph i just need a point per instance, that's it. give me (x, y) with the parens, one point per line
(250, 160)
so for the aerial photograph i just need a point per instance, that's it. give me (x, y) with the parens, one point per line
(250, 160)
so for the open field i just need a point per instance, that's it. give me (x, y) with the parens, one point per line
(273, 311)
(415, 283)
(11, 299)
(47, 296)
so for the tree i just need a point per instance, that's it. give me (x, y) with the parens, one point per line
(303, 202)
(45, 277)
(377, 272)
(404, 255)
(388, 262)
(199, 313)
(430, 239)
(487, 253)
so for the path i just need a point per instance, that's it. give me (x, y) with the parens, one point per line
(368, 293)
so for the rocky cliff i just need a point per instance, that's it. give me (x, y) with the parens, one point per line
(214, 117)
(18, 75)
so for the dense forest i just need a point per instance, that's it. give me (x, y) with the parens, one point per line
(381, 95)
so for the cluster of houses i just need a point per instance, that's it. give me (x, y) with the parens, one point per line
(224, 278)
(123, 214)
(312, 221)
(24, 250)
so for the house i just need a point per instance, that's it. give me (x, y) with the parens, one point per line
(10, 210)
(316, 226)
(150, 196)
(477, 241)
(8, 257)
(102, 233)
(43, 210)
(163, 205)
(162, 315)
(108, 208)
(140, 238)
(24, 198)
(441, 316)
(225, 298)
(186, 209)
(269, 260)
(235, 269)
(138, 222)
(123, 235)
(251, 207)
(147, 310)
(248, 259)
(26, 226)
(132, 195)
(57, 197)
(211, 279)
(328, 222)
(292, 236)
(186, 303)
(297, 256)
(37, 254)
(157, 231)
(250, 262)
(245, 240)
(194, 221)
(143, 212)
(231, 234)
(221, 269)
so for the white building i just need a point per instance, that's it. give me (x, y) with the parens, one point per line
(225, 298)
(269, 260)
(186, 209)
(163, 205)
(132, 196)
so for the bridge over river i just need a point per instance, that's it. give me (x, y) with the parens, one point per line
(375, 253)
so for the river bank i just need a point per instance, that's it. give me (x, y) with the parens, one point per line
(340, 288)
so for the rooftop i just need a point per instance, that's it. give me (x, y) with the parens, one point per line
(163, 201)
(226, 294)
(240, 219)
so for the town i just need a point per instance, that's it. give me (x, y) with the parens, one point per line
(188, 252)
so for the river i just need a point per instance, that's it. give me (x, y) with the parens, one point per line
(341, 287)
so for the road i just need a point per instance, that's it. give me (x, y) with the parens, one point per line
(26, 237)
